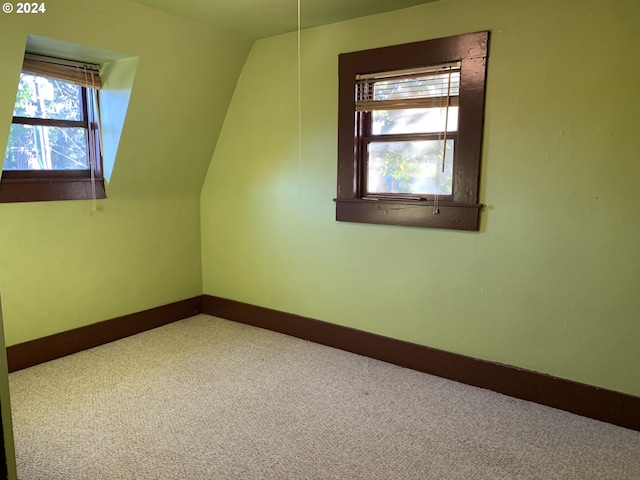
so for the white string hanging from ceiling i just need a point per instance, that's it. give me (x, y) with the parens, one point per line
(299, 61)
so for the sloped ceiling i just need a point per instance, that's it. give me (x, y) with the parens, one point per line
(264, 18)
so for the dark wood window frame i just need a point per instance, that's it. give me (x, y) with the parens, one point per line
(49, 185)
(459, 211)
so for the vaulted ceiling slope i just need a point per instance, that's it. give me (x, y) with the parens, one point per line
(265, 18)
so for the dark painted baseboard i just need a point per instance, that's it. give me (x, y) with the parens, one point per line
(593, 402)
(48, 348)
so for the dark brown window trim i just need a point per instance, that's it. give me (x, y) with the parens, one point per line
(49, 189)
(462, 212)
(408, 213)
(47, 122)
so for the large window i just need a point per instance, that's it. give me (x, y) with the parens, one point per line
(53, 150)
(410, 131)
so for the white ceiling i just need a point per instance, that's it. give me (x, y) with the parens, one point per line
(264, 18)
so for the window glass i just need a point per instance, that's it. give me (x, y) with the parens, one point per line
(36, 147)
(413, 120)
(41, 97)
(413, 167)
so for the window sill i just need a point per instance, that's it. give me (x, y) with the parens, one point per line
(49, 189)
(408, 213)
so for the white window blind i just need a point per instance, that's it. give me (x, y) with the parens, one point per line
(425, 87)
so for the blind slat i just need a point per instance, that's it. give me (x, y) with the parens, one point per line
(431, 102)
(409, 72)
(431, 87)
(82, 75)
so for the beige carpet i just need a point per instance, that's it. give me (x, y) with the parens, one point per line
(206, 398)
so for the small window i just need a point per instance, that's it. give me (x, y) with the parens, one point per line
(53, 151)
(409, 133)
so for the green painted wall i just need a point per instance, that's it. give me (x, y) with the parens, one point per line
(549, 282)
(62, 266)
(5, 406)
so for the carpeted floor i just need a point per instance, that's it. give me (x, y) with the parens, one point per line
(206, 398)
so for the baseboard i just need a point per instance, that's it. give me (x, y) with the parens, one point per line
(586, 400)
(593, 402)
(48, 348)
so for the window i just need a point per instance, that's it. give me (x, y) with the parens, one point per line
(410, 133)
(53, 151)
